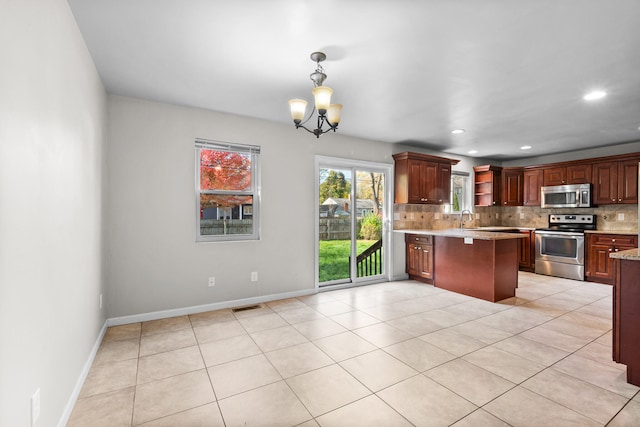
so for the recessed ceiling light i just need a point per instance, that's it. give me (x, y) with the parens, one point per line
(473, 151)
(457, 131)
(596, 94)
(526, 147)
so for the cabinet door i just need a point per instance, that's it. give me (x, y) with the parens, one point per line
(525, 250)
(429, 183)
(554, 176)
(605, 183)
(415, 171)
(512, 187)
(444, 183)
(532, 183)
(426, 261)
(628, 181)
(599, 264)
(414, 252)
(579, 174)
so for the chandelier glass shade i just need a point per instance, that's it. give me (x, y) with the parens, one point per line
(328, 113)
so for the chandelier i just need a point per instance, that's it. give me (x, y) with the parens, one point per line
(328, 113)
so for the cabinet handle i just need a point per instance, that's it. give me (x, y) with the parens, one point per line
(610, 249)
(613, 240)
(619, 200)
(613, 200)
(616, 249)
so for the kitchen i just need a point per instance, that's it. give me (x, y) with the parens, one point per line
(579, 225)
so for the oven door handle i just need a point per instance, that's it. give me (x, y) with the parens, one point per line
(559, 233)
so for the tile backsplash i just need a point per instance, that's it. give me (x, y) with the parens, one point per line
(437, 217)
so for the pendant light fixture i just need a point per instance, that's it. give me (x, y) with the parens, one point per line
(328, 113)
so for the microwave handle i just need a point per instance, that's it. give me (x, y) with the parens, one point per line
(578, 197)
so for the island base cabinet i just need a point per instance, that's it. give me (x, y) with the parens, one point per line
(486, 269)
(626, 317)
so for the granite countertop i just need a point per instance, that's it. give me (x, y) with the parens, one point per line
(630, 254)
(500, 228)
(466, 232)
(624, 233)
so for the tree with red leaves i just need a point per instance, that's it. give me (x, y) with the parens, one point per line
(224, 171)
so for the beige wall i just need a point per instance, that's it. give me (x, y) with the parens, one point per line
(52, 137)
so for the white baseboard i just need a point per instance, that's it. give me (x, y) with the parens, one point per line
(64, 419)
(155, 315)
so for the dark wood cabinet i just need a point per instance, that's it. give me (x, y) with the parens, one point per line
(599, 267)
(487, 185)
(626, 317)
(527, 251)
(419, 257)
(512, 186)
(422, 179)
(532, 182)
(615, 182)
(569, 174)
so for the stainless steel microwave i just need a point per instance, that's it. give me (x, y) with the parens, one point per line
(566, 196)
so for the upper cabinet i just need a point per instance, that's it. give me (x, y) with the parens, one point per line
(512, 186)
(487, 185)
(422, 179)
(567, 174)
(615, 182)
(532, 181)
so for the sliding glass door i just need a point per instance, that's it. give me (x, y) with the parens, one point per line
(352, 221)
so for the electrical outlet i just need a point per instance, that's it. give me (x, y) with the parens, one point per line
(100, 301)
(620, 217)
(477, 216)
(254, 276)
(35, 407)
(521, 215)
(212, 281)
(436, 216)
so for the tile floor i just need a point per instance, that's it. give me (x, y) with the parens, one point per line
(392, 354)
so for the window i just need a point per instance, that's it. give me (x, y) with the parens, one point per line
(227, 191)
(460, 192)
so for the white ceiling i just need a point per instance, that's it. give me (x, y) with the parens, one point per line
(509, 72)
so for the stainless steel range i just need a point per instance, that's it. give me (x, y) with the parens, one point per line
(560, 247)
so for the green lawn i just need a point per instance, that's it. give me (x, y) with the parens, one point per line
(334, 258)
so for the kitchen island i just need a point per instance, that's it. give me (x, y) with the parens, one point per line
(476, 263)
(626, 315)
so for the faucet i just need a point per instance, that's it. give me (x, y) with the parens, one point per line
(462, 216)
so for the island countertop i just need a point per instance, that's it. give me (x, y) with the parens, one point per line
(465, 232)
(629, 254)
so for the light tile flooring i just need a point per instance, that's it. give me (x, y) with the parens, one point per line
(392, 354)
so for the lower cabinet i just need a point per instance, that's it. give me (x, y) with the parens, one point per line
(419, 258)
(527, 260)
(599, 267)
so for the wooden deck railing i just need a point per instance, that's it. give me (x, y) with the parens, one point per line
(369, 262)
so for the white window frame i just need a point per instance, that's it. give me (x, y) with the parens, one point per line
(467, 202)
(254, 191)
